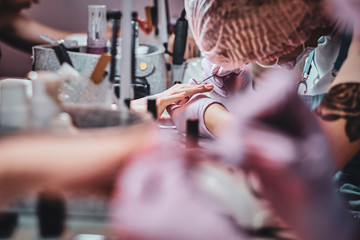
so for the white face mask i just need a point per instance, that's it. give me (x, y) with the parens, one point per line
(291, 64)
(275, 65)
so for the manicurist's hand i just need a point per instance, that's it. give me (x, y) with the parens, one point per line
(226, 82)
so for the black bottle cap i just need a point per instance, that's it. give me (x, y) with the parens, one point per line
(116, 15)
(50, 211)
(8, 222)
(134, 15)
(192, 132)
(151, 107)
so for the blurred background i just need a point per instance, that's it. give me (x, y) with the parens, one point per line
(67, 15)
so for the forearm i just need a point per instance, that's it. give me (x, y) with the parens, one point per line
(339, 137)
(339, 112)
(63, 162)
(22, 32)
(216, 119)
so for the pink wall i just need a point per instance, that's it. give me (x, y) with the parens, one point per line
(68, 15)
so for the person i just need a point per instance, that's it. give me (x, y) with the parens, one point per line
(17, 5)
(239, 41)
(278, 34)
(26, 171)
(171, 193)
(163, 191)
(20, 31)
(276, 124)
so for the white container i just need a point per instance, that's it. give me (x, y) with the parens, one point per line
(44, 107)
(96, 40)
(14, 106)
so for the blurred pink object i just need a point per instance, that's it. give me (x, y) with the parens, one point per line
(156, 198)
(347, 11)
(276, 136)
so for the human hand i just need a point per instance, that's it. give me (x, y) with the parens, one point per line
(226, 83)
(179, 93)
(96, 152)
(161, 193)
(18, 5)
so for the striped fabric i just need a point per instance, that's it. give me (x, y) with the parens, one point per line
(233, 32)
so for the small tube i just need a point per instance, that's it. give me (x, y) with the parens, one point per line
(96, 42)
(151, 107)
(134, 45)
(115, 29)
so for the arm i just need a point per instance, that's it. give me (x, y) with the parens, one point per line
(21, 32)
(65, 162)
(211, 111)
(339, 112)
(216, 118)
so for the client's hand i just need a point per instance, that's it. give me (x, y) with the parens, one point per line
(175, 94)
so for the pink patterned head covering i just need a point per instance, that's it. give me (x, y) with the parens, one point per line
(233, 32)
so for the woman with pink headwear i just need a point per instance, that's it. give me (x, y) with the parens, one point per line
(273, 33)
(279, 34)
(269, 132)
(274, 133)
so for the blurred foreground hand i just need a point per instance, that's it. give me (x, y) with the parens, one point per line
(279, 139)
